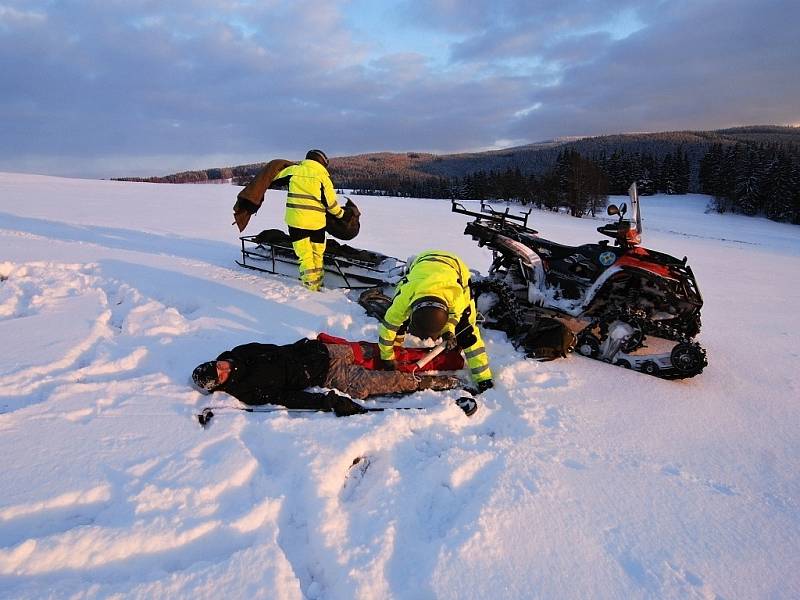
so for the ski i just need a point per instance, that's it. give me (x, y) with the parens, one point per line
(466, 403)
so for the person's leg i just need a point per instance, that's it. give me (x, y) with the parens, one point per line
(359, 382)
(437, 382)
(363, 382)
(318, 243)
(310, 272)
(341, 359)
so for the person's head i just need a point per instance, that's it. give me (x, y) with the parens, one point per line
(428, 318)
(210, 375)
(319, 156)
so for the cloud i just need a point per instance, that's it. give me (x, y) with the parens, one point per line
(92, 84)
(701, 67)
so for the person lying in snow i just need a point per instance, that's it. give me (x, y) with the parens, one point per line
(270, 374)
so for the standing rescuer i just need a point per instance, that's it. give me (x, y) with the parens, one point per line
(311, 196)
(433, 300)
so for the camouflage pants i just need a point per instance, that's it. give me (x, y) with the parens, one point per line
(359, 382)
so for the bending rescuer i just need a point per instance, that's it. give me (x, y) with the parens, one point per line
(434, 300)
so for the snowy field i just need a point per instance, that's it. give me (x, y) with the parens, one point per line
(574, 480)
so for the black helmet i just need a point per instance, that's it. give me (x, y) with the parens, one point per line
(205, 376)
(428, 318)
(319, 156)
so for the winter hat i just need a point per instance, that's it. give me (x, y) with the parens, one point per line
(205, 376)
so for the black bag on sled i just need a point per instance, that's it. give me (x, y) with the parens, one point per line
(548, 339)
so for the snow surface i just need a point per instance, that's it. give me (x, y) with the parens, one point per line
(574, 480)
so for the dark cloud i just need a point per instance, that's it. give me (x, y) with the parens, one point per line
(708, 65)
(142, 87)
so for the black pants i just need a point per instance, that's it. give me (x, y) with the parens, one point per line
(317, 235)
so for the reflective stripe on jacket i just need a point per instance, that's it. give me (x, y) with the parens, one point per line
(444, 276)
(311, 195)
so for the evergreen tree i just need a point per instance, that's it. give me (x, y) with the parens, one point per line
(776, 187)
(747, 190)
(667, 175)
(682, 172)
(646, 178)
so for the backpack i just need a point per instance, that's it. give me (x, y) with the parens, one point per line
(547, 339)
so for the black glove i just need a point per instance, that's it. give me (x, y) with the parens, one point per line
(484, 385)
(388, 365)
(342, 406)
(465, 332)
(450, 341)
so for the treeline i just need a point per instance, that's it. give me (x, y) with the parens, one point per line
(574, 183)
(670, 175)
(749, 170)
(237, 175)
(748, 178)
(752, 179)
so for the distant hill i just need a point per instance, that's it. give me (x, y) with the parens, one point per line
(364, 170)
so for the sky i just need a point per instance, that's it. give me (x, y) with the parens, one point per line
(106, 88)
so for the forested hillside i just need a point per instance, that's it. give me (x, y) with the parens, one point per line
(751, 170)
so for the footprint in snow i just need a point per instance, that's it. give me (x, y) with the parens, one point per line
(355, 474)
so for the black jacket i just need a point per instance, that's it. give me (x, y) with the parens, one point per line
(271, 374)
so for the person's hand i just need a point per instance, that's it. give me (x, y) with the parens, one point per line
(465, 332)
(389, 365)
(450, 341)
(484, 385)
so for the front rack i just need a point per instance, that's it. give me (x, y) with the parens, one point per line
(490, 214)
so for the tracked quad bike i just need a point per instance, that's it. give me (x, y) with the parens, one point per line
(628, 306)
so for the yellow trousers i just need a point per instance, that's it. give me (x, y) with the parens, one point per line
(311, 267)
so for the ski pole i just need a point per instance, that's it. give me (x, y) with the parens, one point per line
(466, 404)
(207, 413)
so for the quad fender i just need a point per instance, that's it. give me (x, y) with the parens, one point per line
(594, 290)
(531, 264)
(619, 268)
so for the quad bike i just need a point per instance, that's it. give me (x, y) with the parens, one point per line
(627, 305)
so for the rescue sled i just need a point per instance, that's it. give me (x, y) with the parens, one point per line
(345, 267)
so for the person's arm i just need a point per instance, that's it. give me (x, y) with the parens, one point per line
(392, 321)
(283, 176)
(244, 351)
(329, 198)
(469, 339)
(327, 402)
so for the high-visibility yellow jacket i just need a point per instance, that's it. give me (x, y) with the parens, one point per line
(311, 195)
(444, 276)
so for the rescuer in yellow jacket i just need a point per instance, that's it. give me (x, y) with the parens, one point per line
(311, 196)
(433, 300)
